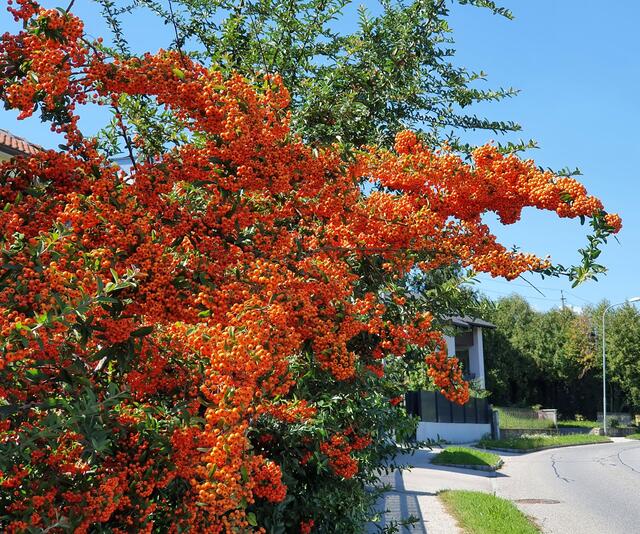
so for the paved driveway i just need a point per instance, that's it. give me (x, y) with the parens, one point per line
(592, 489)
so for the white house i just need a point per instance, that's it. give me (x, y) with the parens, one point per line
(441, 419)
(468, 347)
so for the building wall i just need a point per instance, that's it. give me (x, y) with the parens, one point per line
(476, 357)
(452, 432)
(451, 345)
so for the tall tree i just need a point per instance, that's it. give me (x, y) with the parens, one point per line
(623, 355)
(511, 371)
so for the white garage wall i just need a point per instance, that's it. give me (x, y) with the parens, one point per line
(452, 432)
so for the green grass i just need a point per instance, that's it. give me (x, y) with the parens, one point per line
(525, 443)
(466, 456)
(511, 420)
(483, 513)
(580, 424)
(633, 436)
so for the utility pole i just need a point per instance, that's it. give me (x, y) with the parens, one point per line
(562, 299)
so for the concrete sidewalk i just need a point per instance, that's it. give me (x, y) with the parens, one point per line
(414, 492)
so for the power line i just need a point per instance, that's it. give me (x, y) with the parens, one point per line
(581, 298)
(517, 284)
(508, 294)
(571, 293)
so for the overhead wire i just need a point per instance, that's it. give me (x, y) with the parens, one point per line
(546, 288)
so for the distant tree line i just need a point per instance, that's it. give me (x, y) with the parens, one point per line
(554, 358)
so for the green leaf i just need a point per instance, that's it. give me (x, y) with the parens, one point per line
(143, 331)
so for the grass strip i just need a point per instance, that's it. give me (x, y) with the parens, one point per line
(633, 436)
(466, 456)
(483, 513)
(533, 442)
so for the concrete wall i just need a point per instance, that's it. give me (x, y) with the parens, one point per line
(452, 432)
(549, 414)
(451, 345)
(476, 357)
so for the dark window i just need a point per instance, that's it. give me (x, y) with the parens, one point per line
(463, 358)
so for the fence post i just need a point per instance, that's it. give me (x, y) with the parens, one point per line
(450, 411)
(495, 423)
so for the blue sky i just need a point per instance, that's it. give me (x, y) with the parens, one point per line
(577, 65)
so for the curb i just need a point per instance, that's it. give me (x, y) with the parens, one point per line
(525, 451)
(494, 467)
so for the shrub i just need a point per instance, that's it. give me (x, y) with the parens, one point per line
(219, 339)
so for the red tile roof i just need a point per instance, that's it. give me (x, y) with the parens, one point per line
(12, 144)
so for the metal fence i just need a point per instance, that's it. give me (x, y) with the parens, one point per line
(433, 407)
(526, 418)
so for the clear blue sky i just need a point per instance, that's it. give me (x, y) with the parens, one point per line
(577, 64)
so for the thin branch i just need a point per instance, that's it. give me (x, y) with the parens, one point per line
(277, 47)
(127, 141)
(534, 287)
(178, 38)
(257, 37)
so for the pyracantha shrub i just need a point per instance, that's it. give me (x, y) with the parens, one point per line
(188, 345)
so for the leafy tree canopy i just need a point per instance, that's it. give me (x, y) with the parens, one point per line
(362, 84)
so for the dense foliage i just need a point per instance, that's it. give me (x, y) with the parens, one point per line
(554, 358)
(193, 344)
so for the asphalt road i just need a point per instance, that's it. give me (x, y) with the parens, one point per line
(592, 489)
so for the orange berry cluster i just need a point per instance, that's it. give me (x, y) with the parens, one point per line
(306, 526)
(338, 451)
